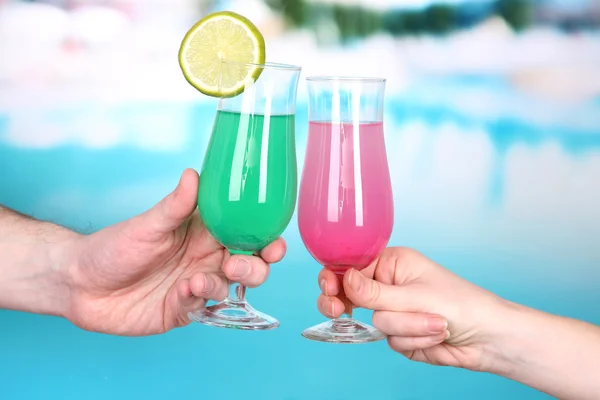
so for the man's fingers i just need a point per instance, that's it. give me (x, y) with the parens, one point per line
(208, 286)
(275, 251)
(247, 270)
(409, 324)
(193, 293)
(187, 302)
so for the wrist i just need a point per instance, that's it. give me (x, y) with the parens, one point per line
(556, 355)
(507, 338)
(62, 260)
(37, 258)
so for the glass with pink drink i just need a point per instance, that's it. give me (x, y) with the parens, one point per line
(345, 206)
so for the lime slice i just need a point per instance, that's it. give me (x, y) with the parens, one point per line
(222, 36)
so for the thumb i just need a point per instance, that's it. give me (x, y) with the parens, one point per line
(367, 293)
(173, 210)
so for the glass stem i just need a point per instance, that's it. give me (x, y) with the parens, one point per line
(348, 306)
(342, 322)
(237, 293)
(347, 314)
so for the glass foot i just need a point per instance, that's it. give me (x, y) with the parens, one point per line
(234, 315)
(343, 330)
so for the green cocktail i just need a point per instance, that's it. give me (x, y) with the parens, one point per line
(249, 180)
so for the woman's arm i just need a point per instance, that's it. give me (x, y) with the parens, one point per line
(557, 355)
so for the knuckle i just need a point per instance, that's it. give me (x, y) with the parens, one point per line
(222, 295)
(197, 284)
(222, 291)
(411, 355)
(165, 205)
(403, 256)
(374, 293)
(396, 260)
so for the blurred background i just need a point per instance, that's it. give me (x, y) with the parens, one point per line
(493, 136)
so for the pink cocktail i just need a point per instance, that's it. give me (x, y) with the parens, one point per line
(345, 207)
(346, 211)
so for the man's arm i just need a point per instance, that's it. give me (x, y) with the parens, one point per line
(34, 264)
(557, 355)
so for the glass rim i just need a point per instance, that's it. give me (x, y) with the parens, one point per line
(345, 79)
(266, 65)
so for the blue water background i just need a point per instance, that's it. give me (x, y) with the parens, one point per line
(458, 199)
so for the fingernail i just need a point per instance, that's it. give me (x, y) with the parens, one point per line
(354, 280)
(241, 268)
(323, 286)
(436, 324)
(332, 310)
(447, 335)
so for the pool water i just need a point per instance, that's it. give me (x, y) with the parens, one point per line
(506, 196)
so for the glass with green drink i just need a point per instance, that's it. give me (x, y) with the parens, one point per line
(248, 181)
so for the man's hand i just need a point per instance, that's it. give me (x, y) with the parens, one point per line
(144, 275)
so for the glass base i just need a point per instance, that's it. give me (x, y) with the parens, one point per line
(234, 315)
(343, 330)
